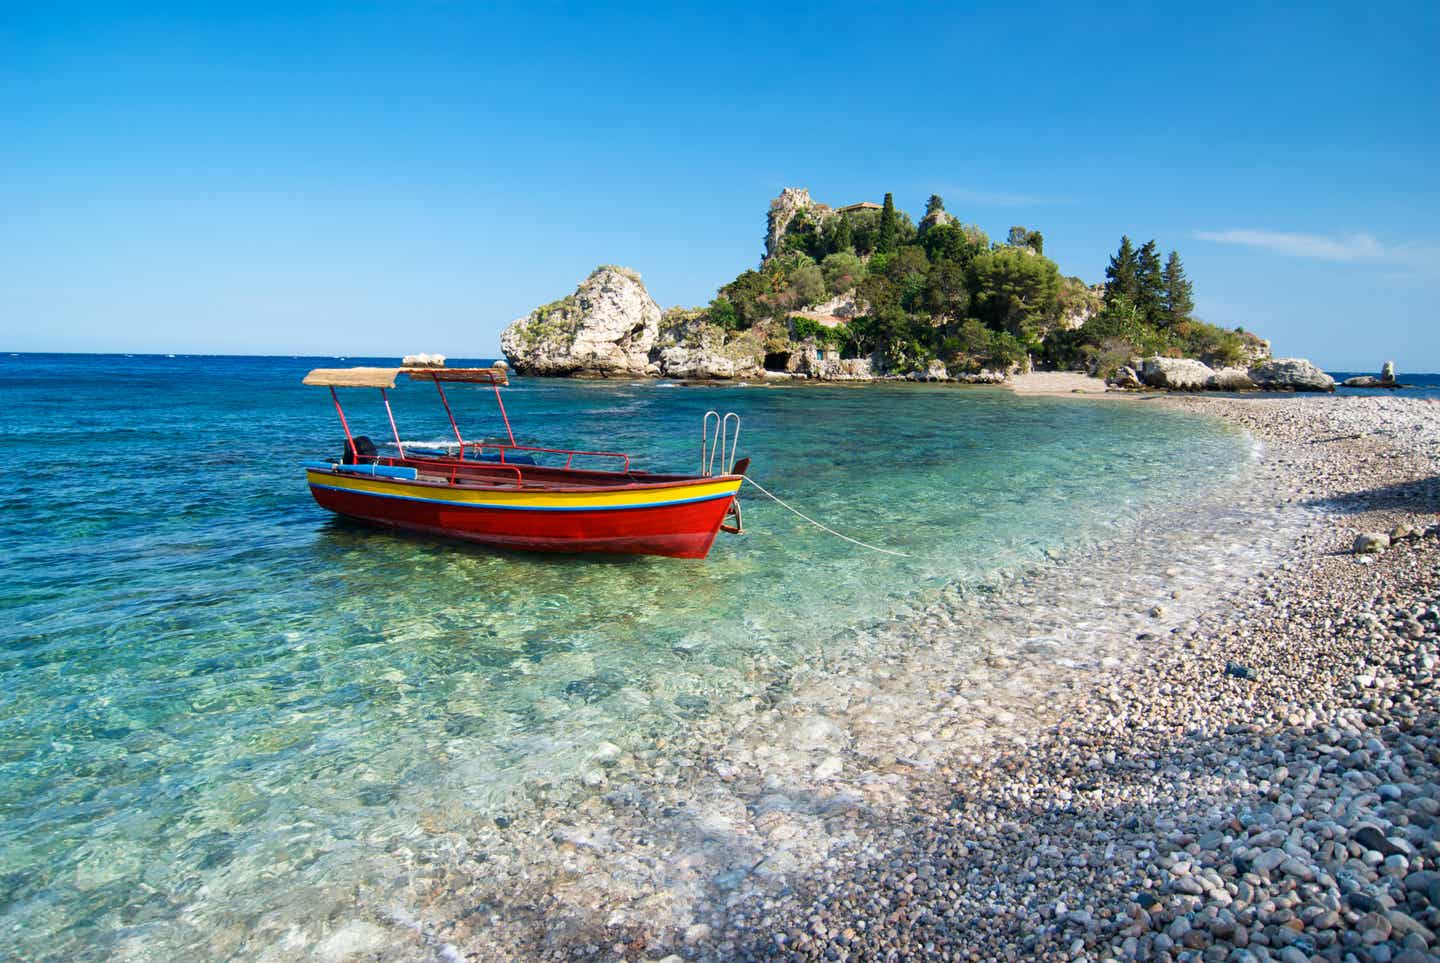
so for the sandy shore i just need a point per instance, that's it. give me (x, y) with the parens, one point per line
(1234, 758)
(1058, 383)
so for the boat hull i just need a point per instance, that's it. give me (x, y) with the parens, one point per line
(679, 520)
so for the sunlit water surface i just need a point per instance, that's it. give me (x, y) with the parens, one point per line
(220, 703)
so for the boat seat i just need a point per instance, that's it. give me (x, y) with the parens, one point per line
(511, 459)
(376, 471)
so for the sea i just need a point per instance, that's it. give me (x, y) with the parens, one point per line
(1416, 385)
(222, 705)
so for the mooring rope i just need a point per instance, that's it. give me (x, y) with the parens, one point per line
(824, 528)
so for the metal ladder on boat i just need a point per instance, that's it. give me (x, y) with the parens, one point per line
(717, 441)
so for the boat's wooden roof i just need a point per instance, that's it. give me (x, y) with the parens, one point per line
(352, 377)
(385, 377)
(487, 376)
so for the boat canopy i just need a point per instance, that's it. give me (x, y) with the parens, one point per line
(352, 377)
(484, 376)
(385, 377)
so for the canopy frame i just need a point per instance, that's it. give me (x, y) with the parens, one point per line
(384, 378)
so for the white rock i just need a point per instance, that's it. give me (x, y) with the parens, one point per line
(1370, 543)
(1185, 374)
(606, 328)
(1291, 374)
(1230, 379)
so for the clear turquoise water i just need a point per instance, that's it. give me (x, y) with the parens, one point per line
(222, 706)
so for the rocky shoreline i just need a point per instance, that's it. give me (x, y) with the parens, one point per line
(1265, 788)
(610, 327)
(1234, 758)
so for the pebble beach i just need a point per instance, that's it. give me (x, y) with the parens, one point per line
(1235, 759)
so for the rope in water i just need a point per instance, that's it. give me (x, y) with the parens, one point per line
(824, 528)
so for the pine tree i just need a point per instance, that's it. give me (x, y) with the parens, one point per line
(889, 238)
(843, 237)
(1121, 275)
(1018, 237)
(1036, 242)
(936, 203)
(1150, 284)
(1179, 297)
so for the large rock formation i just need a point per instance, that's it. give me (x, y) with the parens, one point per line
(838, 369)
(783, 209)
(611, 327)
(1230, 379)
(691, 347)
(1291, 374)
(605, 329)
(1183, 374)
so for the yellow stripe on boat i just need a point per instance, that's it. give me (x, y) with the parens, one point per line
(502, 498)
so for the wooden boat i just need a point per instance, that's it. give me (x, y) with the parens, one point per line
(508, 495)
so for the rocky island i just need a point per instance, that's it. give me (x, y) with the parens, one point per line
(862, 292)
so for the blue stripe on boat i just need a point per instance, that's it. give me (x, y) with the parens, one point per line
(524, 508)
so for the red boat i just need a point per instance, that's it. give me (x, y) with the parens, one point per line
(505, 494)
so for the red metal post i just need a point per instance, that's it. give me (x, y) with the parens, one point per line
(396, 431)
(449, 414)
(344, 424)
(496, 385)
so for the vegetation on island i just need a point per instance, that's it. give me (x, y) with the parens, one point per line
(1147, 310)
(942, 290)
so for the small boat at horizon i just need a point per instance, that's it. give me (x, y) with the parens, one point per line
(504, 494)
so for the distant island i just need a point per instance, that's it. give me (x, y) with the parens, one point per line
(862, 291)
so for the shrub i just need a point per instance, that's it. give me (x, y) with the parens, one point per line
(807, 284)
(722, 313)
(842, 271)
(1211, 344)
(802, 327)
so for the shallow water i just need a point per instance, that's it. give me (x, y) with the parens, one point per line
(221, 704)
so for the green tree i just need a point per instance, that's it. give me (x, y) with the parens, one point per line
(947, 291)
(1016, 292)
(746, 295)
(935, 204)
(839, 234)
(953, 242)
(1179, 298)
(1121, 275)
(864, 228)
(722, 313)
(842, 271)
(1149, 282)
(807, 284)
(1036, 242)
(1018, 237)
(889, 238)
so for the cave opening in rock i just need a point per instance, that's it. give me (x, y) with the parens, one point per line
(777, 360)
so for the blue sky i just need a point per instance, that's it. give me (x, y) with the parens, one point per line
(389, 177)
